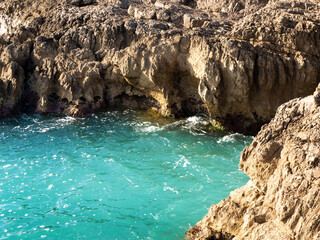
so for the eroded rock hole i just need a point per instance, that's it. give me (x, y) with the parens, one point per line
(53, 97)
(83, 99)
(96, 99)
(64, 100)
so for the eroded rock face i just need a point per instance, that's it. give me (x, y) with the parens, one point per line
(234, 60)
(282, 199)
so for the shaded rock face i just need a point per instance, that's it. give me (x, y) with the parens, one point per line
(282, 199)
(236, 61)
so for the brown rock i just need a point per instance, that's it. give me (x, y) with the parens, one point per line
(282, 200)
(236, 62)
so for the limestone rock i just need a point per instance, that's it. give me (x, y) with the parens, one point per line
(282, 199)
(236, 61)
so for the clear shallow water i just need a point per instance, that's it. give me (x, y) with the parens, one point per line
(116, 175)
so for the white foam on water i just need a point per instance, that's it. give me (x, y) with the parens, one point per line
(170, 189)
(230, 138)
(193, 119)
(186, 162)
(183, 162)
(151, 129)
(154, 216)
(66, 120)
(145, 127)
(6, 166)
(44, 130)
(196, 120)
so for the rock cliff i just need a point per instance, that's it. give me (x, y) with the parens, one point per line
(282, 199)
(236, 61)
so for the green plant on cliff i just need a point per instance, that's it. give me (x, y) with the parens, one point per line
(218, 126)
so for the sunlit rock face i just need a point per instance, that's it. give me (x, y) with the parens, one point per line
(236, 61)
(282, 199)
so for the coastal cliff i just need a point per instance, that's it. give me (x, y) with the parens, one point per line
(282, 199)
(236, 61)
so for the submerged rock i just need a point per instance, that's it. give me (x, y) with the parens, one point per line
(236, 61)
(282, 199)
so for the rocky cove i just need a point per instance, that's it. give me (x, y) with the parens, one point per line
(236, 61)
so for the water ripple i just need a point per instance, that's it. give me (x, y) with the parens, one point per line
(116, 175)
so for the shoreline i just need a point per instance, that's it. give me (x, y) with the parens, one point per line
(243, 63)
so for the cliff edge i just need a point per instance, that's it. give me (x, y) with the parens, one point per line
(282, 199)
(236, 61)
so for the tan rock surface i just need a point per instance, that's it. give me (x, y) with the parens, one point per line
(236, 61)
(282, 199)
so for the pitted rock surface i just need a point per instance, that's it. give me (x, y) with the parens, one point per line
(236, 61)
(282, 199)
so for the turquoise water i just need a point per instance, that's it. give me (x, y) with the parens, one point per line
(115, 175)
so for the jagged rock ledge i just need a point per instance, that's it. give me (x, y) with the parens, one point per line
(236, 60)
(282, 199)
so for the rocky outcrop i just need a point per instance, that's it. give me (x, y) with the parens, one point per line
(282, 199)
(236, 61)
